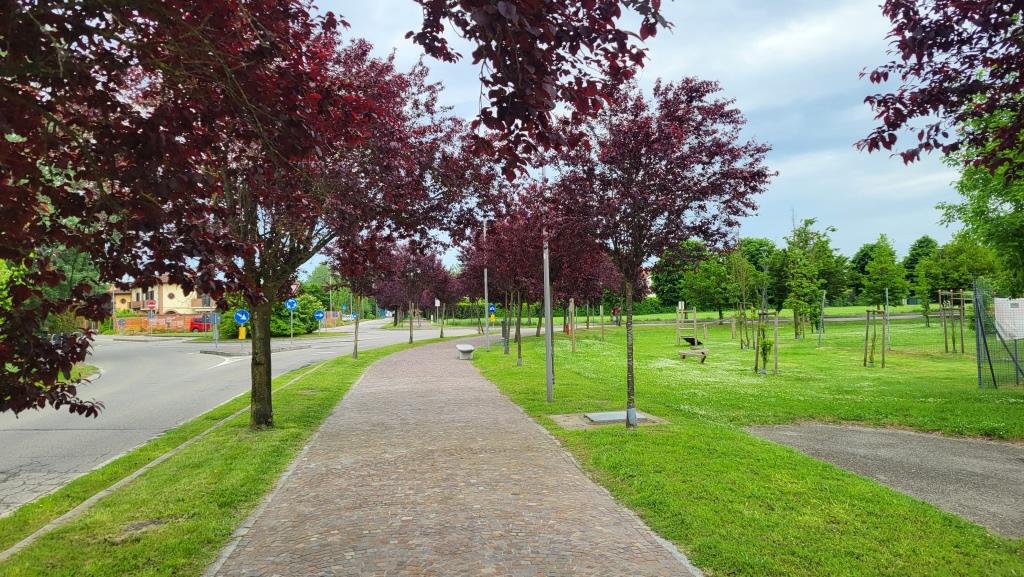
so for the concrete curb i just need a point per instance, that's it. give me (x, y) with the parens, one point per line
(244, 353)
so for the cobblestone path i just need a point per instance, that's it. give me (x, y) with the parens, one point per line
(425, 469)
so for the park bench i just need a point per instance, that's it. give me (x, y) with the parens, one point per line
(465, 351)
(702, 353)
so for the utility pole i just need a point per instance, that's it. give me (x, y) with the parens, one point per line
(487, 300)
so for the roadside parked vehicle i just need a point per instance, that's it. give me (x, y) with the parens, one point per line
(201, 324)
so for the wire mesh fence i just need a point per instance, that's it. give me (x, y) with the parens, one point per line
(999, 337)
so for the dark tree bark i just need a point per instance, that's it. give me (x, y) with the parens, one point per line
(262, 409)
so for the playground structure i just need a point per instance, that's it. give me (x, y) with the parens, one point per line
(871, 319)
(952, 315)
(766, 320)
(683, 321)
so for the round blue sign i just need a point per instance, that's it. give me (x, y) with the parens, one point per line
(291, 304)
(241, 316)
(492, 308)
(319, 315)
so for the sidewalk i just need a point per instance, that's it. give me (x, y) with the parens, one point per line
(425, 469)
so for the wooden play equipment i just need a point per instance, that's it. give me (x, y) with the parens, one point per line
(871, 319)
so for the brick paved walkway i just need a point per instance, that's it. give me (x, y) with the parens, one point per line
(426, 469)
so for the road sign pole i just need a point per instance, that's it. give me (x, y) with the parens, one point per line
(291, 328)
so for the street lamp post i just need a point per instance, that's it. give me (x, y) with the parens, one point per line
(487, 301)
(549, 333)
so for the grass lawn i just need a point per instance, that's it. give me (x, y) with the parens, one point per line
(670, 317)
(83, 371)
(742, 506)
(174, 519)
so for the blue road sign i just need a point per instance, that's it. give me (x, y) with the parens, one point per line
(344, 308)
(319, 315)
(291, 304)
(354, 315)
(241, 316)
(492, 308)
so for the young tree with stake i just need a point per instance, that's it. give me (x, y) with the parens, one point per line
(649, 174)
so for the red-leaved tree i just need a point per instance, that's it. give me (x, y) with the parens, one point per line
(649, 174)
(958, 64)
(131, 128)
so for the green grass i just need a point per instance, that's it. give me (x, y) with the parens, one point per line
(670, 317)
(174, 518)
(83, 371)
(741, 506)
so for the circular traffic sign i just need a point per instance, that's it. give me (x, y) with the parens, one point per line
(291, 304)
(492, 308)
(241, 316)
(319, 315)
(151, 304)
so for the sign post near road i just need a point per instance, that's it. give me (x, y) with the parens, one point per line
(215, 328)
(151, 314)
(319, 316)
(241, 317)
(291, 304)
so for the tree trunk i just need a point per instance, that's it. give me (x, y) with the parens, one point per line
(355, 334)
(411, 316)
(540, 322)
(442, 320)
(505, 329)
(261, 415)
(395, 323)
(630, 393)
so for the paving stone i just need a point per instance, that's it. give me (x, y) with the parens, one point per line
(425, 469)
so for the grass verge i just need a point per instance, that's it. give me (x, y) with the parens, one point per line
(174, 518)
(741, 506)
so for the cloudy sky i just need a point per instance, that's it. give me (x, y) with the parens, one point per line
(792, 66)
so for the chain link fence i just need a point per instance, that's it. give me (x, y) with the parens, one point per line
(999, 337)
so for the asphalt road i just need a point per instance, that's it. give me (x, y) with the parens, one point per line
(974, 478)
(147, 388)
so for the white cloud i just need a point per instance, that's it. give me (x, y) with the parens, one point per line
(793, 67)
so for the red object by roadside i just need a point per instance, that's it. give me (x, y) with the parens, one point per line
(199, 325)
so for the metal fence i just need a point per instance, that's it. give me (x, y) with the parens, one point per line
(999, 337)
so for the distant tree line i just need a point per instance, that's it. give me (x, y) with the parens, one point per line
(757, 273)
